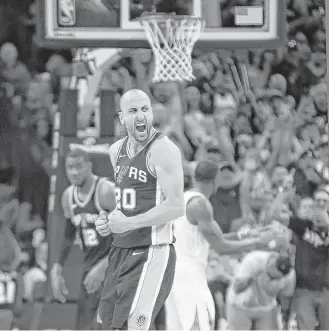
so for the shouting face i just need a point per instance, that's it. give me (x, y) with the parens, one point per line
(136, 114)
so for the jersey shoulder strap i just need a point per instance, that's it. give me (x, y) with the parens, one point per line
(123, 147)
(156, 135)
(190, 194)
(150, 168)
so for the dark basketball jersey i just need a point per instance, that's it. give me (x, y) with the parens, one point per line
(84, 215)
(137, 191)
(9, 290)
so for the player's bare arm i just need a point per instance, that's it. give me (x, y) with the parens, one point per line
(166, 159)
(106, 195)
(102, 224)
(69, 229)
(199, 212)
(57, 281)
(95, 277)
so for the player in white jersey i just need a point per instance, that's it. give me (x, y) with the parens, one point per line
(190, 304)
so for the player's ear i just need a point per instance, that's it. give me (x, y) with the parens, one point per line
(121, 117)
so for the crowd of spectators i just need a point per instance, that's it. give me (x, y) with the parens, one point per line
(257, 138)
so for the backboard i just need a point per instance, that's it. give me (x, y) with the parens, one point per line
(110, 23)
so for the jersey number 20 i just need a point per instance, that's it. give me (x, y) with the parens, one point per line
(7, 292)
(125, 198)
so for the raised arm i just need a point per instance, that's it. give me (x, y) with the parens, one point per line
(166, 159)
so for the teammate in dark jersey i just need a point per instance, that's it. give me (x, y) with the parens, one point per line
(11, 282)
(82, 201)
(149, 186)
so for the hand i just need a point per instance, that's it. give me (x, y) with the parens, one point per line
(119, 223)
(58, 283)
(94, 279)
(102, 224)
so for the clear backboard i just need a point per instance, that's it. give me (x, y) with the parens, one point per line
(110, 23)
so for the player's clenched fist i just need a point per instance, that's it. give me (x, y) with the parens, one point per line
(119, 223)
(102, 224)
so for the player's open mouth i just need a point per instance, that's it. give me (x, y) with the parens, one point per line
(141, 127)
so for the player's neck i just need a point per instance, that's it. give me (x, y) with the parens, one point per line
(204, 190)
(85, 188)
(135, 146)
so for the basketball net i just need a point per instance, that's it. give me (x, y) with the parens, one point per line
(172, 38)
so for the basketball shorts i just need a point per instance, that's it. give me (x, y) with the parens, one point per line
(190, 305)
(136, 286)
(87, 309)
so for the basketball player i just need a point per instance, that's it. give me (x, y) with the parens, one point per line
(11, 282)
(190, 304)
(82, 201)
(150, 195)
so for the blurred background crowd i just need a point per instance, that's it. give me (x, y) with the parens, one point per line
(256, 138)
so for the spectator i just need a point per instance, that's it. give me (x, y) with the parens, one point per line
(310, 228)
(12, 70)
(251, 298)
(306, 177)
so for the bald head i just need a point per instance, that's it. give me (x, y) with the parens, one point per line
(136, 114)
(132, 96)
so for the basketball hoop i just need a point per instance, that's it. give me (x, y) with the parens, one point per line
(172, 38)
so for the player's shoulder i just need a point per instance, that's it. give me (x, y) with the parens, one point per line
(164, 148)
(67, 192)
(116, 145)
(199, 205)
(105, 185)
(66, 197)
